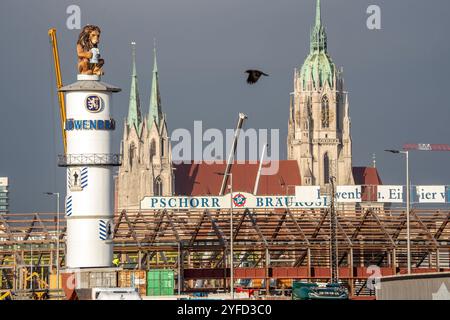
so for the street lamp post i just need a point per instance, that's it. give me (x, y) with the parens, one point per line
(57, 234)
(231, 238)
(231, 233)
(408, 231)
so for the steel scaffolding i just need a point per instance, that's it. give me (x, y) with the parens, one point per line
(274, 246)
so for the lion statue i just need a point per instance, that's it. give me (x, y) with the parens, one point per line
(89, 61)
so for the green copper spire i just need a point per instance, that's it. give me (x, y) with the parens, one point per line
(134, 109)
(318, 66)
(155, 112)
(318, 34)
(318, 14)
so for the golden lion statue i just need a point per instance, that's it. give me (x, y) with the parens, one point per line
(89, 61)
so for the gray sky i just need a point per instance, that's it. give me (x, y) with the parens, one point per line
(397, 77)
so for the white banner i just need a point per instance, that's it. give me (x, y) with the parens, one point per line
(307, 193)
(391, 194)
(348, 194)
(240, 200)
(430, 194)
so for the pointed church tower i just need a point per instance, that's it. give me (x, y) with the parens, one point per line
(128, 191)
(157, 144)
(319, 122)
(147, 156)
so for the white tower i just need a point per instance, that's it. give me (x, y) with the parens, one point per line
(89, 199)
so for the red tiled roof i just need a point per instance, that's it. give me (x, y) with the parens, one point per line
(196, 179)
(367, 177)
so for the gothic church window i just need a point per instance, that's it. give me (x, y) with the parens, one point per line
(162, 147)
(132, 154)
(326, 168)
(158, 187)
(152, 149)
(325, 112)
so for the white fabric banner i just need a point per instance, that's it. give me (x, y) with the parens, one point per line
(430, 194)
(347, 194)
(239, 200)
(307, 193)
(392, 194)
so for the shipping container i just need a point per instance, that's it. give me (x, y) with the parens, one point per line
(160, 282)
(133, 279)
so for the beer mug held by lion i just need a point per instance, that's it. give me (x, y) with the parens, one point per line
(89, 61)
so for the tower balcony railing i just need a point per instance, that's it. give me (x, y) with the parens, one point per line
(93, 159)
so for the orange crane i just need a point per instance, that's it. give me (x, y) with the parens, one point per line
(62, 104)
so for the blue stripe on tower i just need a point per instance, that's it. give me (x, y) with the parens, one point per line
(84, 177)
(69, 206)
(102, 229)
(69, 178)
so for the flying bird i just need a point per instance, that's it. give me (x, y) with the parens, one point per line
(254, 75)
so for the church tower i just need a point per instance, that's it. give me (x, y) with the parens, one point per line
(146, 168)
(319, 122)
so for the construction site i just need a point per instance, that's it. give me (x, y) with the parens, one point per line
(271, 248)
(140, 225)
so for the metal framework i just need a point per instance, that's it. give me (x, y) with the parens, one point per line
(272, 245)
(95, 159)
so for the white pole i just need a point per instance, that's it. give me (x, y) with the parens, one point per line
(258, 175)
(408, 231)
(231, 238)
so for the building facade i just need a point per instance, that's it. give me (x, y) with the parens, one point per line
(4, 195)
(319, 123)
(147, 156)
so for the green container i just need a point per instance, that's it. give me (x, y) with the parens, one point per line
(160, 282)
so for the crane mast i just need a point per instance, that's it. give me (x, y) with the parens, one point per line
(59, 84)
(240, 123)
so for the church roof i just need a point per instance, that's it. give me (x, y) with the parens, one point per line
(197, 179)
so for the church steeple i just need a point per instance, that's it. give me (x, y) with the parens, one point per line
(155, 113)
(318, 68)
(318, 34)
(318, 14)
(134, 109)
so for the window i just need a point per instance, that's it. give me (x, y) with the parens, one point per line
(152, 149)
(162, 147)
(132, 154)
(158, 187)
(325, 112)
(326, 169)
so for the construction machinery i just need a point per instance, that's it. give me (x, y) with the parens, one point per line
(59, 84)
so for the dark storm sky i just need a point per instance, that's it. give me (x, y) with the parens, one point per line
(398, 77)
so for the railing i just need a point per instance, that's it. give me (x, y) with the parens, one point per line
(95, 159)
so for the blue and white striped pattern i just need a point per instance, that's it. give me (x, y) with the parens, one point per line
(102, 229)
(69, 178)
(84, 177)
(69, 206)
